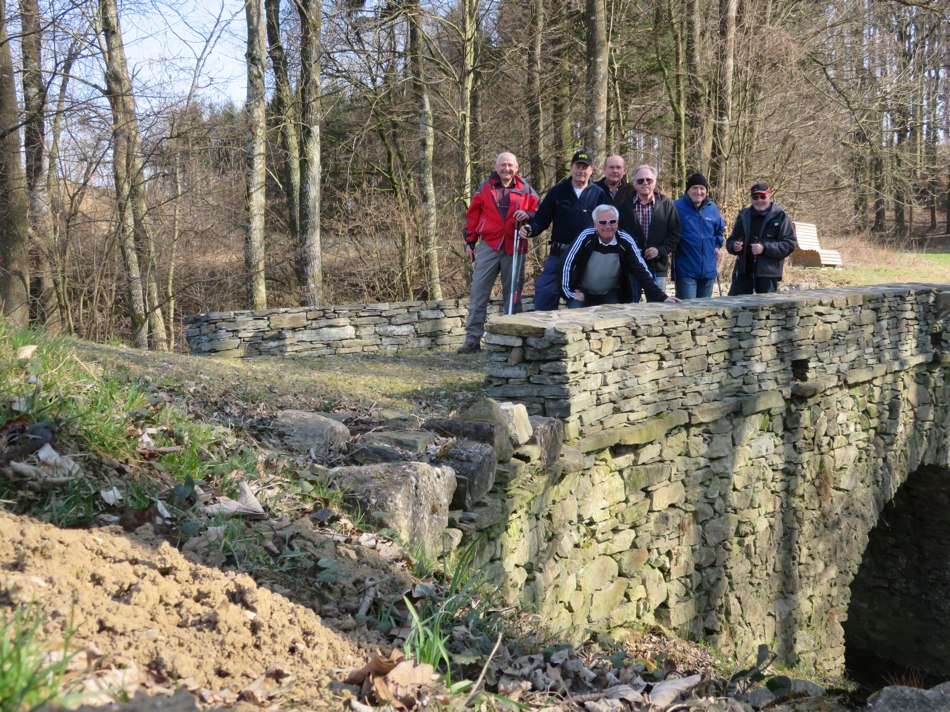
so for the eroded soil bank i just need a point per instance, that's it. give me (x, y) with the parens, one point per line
(138, 606)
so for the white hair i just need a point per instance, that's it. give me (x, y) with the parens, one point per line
(600, 209)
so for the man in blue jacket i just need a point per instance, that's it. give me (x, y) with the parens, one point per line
(761, 239)
(569, 206)
(695, 261)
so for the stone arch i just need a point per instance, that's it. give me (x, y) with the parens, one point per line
(899, 613)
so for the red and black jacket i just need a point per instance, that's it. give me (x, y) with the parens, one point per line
(483, 220)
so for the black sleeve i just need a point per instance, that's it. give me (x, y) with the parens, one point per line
(735, 236)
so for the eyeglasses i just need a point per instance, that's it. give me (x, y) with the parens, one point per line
(760, 196)
(641, 181)
(606, 222)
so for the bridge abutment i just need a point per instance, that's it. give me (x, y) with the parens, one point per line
(725, 460)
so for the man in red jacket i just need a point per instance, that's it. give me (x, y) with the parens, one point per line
(501, 204)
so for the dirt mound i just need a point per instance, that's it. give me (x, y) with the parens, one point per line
(140, 607)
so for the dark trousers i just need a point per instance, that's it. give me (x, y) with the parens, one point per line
(750, 284)
(547, 288)
(595, 300)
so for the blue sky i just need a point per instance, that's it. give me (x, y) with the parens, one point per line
(165, 42)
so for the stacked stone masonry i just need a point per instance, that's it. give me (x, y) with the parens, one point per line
(725, 459)
(331, 330)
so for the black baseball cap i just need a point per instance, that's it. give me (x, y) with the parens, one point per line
(761, 188)
(582, 157)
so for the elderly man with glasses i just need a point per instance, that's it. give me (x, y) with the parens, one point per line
(762, 237)
(652, 219)
(501, 204)
(603, 264)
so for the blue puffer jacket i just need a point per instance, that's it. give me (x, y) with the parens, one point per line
(702, 231)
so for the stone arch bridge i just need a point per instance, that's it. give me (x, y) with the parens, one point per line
(726, 463)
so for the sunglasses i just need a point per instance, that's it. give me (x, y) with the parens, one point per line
(606, 222)
(641, 181)
(760, 196)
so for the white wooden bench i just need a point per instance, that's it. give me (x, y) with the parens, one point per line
(809, 253)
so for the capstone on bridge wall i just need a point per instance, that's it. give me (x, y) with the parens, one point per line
(725, 459)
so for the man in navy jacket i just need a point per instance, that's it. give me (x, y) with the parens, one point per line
(696, 263)
(567, 207)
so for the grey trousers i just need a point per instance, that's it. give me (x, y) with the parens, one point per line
(488, 263)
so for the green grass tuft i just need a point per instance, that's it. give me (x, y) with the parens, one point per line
(30, 673)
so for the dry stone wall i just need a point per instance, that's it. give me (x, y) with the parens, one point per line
(331, 330)
(725, 459)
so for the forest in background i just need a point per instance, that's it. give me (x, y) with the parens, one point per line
(344, 175)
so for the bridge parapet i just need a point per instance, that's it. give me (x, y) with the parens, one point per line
(611, 367)
(725, 459)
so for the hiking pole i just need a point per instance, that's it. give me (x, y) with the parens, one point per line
(718, 283)
(513, 286)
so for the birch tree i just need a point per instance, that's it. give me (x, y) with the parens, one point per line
(256, 172)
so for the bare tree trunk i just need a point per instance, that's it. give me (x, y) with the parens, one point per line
(256, 154)
(697, 91)
(130, 173)
(309, 262)
(674, 82)
(173, 250)
(597, 53)
(535, 114)
(287, 116)
(14, 202)
(426, 150)
(469, 9)
(931, 139)
(122, 142)
(722, 129)
(57, 241)
(34, 145)
(562, 64)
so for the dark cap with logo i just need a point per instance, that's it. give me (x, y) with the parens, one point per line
(761, 188)
(582, 157)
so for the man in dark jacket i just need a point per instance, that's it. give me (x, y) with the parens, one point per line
(602, 264)
(501, 204)
(697, 256)
(615, 183)
(761, 239)
(654, 223)
(568, 205)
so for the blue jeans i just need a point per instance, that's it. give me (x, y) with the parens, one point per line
(694, 287)
(547, 288)
(748, 284)
(595, 300)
